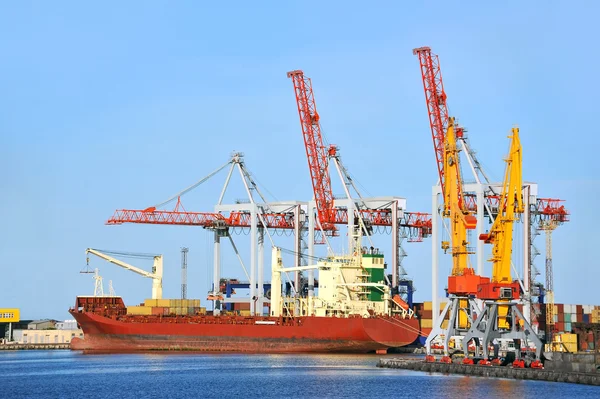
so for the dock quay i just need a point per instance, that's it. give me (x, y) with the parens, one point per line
(555, 371)
(12, 347)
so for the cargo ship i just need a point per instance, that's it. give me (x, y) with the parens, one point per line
(352, 311)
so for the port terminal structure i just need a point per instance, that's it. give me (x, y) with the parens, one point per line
(480, 196)
(260, 216)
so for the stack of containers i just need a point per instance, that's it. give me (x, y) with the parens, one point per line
(424, 311)
(596, 314)
(165, 307)
(566, 315)
(569, 311)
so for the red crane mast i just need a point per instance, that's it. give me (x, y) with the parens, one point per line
(316, 152)
(437, 110)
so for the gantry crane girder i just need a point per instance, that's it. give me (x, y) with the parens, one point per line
(543, 210)
(417, 225)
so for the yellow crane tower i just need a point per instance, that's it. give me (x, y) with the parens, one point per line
(500, 318)
(463, 283)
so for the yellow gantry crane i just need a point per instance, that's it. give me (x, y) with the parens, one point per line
(500, 318)
(502, 286)
(463, 283)
(461, 220)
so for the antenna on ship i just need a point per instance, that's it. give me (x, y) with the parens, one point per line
(111, 290)
(98, 289)
(184, 252)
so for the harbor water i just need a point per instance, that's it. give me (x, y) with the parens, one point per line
(71, 374)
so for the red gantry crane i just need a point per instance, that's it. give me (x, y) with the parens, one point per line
(316, 153)
(319, 156)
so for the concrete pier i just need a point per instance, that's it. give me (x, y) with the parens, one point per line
(492, 371)
(13, 347)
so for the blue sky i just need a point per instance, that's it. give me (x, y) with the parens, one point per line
(122, 105)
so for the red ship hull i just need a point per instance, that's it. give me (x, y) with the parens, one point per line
(243, 334)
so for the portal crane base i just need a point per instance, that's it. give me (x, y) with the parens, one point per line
(459, 315)
(485, 329)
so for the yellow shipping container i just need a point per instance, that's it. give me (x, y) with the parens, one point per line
(244, 312)
(196, 303)
(202, 311)
(426, 323)
(139, 310)
(564, 347)
(151, 302)
(163, 303)
(427, 305)
(568, 337)
(445, 324)
(10, 315)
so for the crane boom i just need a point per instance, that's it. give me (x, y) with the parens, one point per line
(501, 232)
(437, 109)
(462, 280)
(155, 275)
(316, 152)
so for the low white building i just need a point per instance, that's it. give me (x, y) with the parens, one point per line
(46, 336)
(67, 325)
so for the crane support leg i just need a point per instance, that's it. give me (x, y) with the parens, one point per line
(485, 329)
(461, 312)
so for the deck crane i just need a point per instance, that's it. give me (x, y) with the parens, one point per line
(155, 275)
(463, 282)
(500, 318)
